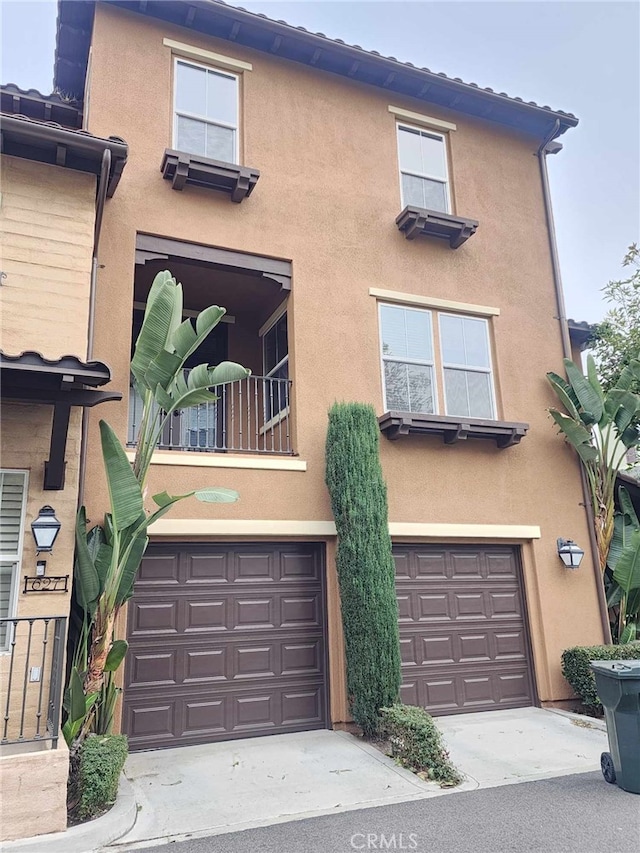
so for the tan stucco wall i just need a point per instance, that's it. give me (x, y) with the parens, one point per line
(34, 792)
(46, 231)
(327, 199)
(46, 227)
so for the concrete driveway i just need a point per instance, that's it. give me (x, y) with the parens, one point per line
(200, 791)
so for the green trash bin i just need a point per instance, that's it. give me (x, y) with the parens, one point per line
(618, 685)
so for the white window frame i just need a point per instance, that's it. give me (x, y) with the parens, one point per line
(223, 73)
(264, 331)
(16, 558)
(402, 360)
(401, 125)
(466, 367)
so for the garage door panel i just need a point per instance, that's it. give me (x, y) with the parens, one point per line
(207, 569)
(463, 637)
(230, 651)
(159, 570)
(153, 617)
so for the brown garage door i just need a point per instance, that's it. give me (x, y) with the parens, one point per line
(462, 628)
(226, 641)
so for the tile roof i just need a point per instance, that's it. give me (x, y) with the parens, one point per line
(279, 38)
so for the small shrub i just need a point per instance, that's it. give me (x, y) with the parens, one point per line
(101, 761)
(416, 743)
(576, 669)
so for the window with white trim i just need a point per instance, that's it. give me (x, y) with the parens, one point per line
(407, 359)
(409, 363)
(12, 505)
(466, 366)
(424, 176)
(205, 111)
(275, 350)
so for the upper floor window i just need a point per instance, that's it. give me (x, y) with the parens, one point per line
(407, 359)
(206, 112)
(466, 366)
(424, 177)
(409, 364)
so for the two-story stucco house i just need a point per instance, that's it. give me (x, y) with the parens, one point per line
(378, 233)
(57, 180)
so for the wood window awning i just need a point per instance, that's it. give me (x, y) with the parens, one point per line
(62, 383)
(184, 169)
(415, 221)
(452, 429)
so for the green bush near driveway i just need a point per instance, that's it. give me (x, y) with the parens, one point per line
(366, 570)
(416, 743)
(101, 761)
(576, 669)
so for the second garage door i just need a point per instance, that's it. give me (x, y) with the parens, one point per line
(463, 630)
(225, 641)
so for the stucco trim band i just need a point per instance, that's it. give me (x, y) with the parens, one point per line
(264, 527)
(178, 48)
(432, 302)
(215, 460)
(418, 118)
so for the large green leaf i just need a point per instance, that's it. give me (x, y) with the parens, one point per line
(124, 490)
(592, 376)
(76, 707)
(627, 569)
(577, 435)
(627, 507)
(131, 565)
(186, 340)
(156, 326)
(195, 388)
(87, 581)
(565, 393)
(589, 397)
(629, 633)
(116, 655)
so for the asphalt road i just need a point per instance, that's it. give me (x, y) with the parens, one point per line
(568, 814)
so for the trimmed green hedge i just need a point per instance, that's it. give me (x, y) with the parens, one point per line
(366, 570)
(416, 743)
(101, 761)
(576, 669)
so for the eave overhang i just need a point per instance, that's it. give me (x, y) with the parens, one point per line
(48, 142)
(581, 333)
(296, 44)
(30, 378)
(452, 429)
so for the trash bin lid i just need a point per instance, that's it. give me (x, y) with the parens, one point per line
(617, 668)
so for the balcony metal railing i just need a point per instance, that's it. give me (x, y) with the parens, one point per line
(31, 678)
(251, 416)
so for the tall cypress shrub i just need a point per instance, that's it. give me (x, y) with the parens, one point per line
(366, 570)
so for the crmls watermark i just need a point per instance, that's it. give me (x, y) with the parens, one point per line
(382, 841)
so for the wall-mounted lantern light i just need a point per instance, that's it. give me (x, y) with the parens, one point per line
(570, 553)
(45, 529)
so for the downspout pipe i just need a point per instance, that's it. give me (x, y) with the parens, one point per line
(566, 350)
(101, 197)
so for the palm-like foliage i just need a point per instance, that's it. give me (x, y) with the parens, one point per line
(623, 570)
(601, 427)
(109, 556)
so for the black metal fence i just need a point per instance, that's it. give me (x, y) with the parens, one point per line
(31, 678)
(251, 415)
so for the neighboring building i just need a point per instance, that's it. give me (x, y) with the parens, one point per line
(54, 181)
(379, 233)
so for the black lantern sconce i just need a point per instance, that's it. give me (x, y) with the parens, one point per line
(45, 529)
(570, 553)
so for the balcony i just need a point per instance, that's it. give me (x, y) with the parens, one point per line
(250, 416)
